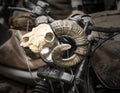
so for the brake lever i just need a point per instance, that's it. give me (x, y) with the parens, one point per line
(86, 20)
(38, 10)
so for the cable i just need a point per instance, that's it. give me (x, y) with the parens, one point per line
(30, 70)
(104, 42)
(104, 29)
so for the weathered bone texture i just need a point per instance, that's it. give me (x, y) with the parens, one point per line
(39, 37)
(67, 28)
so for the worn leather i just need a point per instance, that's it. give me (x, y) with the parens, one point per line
(106, 60)
(7, 86)
(13, 55)
(106, 64)
(20, 20)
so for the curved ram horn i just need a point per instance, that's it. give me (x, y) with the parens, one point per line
(67, 28)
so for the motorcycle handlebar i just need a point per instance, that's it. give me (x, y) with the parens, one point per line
(91, 28)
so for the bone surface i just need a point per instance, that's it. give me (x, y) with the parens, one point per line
(40, 36)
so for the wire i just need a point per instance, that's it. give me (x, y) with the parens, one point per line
(26, 57)
(28, 22)
(51, 85)
(104, 29)
(104, 42)
(30, 70)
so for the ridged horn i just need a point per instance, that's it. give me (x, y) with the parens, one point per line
(67, 28)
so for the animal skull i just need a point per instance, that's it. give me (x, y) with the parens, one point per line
(40, 37)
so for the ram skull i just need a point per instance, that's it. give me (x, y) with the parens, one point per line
(40, 37)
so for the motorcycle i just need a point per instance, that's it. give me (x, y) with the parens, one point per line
(71, 66)
(94, 71)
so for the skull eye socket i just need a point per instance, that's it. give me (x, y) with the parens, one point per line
(25, 39)
(49, 37)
